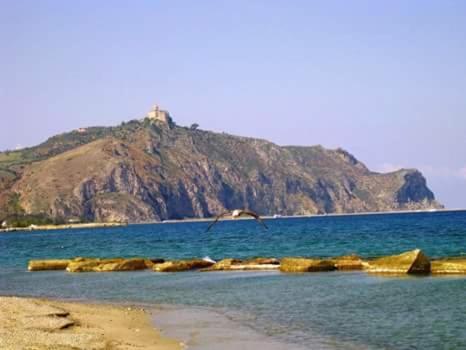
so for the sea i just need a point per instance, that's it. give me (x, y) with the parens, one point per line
(273, 310)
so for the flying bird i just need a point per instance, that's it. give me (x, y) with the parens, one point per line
(235, 214)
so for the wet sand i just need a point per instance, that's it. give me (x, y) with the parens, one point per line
(206, 329)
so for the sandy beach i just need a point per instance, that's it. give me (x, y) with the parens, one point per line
(40, 324)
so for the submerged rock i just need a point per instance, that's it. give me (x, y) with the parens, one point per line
(413, 262)
(51, 264)
(449, 266)
(182, 265)
(305, 265)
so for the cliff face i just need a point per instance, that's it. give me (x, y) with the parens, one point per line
(149, 170)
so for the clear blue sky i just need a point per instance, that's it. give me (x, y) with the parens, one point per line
(385, 80)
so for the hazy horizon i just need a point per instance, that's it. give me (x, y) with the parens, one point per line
(382, 80)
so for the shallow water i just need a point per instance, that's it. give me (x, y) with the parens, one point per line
(202, 328)
(337, 310)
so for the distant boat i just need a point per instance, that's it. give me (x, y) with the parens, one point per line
(277, 216)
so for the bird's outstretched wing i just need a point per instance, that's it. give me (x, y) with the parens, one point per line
(255, 216)
(218, 217)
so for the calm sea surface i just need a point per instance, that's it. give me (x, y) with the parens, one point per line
(336, 310)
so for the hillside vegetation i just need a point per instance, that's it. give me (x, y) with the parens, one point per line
(150, 170)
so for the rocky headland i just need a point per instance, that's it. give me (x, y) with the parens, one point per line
(151, 169)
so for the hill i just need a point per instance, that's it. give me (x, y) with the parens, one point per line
(152, 169)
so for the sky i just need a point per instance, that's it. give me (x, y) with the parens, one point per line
(385, 80)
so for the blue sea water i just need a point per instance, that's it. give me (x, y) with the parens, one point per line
(339, 309)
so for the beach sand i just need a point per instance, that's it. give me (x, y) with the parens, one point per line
(39, 324)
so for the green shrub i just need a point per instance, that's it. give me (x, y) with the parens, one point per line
(28, 220)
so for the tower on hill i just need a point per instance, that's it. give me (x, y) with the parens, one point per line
(158, 114)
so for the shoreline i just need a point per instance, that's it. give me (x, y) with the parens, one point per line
(63, 227)
(43, 323)
(175, 326)
(81, 324)
(209, 328)
(306, 216)
(200, 220)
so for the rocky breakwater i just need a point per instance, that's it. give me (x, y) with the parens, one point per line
(51, 264)
(348, 263)
(343, 263)
(80, 264)
(106, 265)
(182, 265)
(306, 265)
(255, 264)
(412, 262)
(449, 266)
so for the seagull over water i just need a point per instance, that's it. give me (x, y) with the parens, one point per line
(235, 214)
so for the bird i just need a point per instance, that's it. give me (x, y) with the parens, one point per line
(235, 214)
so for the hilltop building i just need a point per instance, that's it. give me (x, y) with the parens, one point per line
(160, 115)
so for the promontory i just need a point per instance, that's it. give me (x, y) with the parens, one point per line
(151, 169)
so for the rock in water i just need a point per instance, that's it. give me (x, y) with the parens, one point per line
(240, 265)
(52, 264)
(305, 265)
(106, 265)
(349, 262)
(449, 266)
(88, 265)
(125, 265)
(413, 262)
(152, 261)
(262, 261)
(181, 265)
(224, 264)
